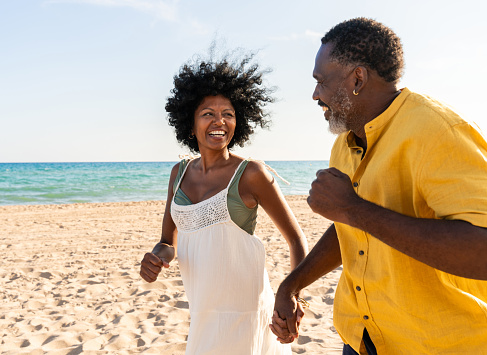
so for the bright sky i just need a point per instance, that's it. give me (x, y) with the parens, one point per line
(87, 80)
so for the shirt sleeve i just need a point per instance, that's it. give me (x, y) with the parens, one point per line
(453, 175)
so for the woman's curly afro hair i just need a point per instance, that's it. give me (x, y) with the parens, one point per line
(367, 42)
(239, 81)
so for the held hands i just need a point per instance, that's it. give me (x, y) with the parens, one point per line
(286, 320)
(332, 195)
(280, 328)
(152, 263)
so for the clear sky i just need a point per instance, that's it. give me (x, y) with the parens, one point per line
(86, 80)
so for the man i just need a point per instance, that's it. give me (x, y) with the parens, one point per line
(407, 191)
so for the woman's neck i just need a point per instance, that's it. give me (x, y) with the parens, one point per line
(210, 160)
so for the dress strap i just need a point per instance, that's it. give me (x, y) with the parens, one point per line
(235, 173)
(182, 175)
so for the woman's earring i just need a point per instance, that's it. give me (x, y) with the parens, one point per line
(354, 92)
(191, 136)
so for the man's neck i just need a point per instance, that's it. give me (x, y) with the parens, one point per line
(380, 103)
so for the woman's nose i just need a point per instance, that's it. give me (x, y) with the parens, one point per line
(219, 119)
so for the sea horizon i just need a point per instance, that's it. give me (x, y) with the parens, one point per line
(41, 183)
(139, 161)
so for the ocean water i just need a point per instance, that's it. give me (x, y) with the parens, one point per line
(62, 183)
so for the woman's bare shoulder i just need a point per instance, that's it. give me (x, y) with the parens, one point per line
(256, 172)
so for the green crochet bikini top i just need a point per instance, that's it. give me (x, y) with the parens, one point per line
(241, 215)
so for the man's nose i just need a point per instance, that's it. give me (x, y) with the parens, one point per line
(315, 93)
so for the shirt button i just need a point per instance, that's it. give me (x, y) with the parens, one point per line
(366, 317)
(361, 252)
(355, 184)
(358, 288)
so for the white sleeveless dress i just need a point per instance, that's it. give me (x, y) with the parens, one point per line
(223, 270)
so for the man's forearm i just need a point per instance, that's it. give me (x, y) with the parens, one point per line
(456, 247)
(323, 258)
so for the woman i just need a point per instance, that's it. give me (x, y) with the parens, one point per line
(211, 211)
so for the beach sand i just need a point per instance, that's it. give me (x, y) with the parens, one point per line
(70, 284)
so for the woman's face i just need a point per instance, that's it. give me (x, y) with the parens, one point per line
(214, 123)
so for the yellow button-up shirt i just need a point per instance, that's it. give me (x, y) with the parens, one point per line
(424, 161)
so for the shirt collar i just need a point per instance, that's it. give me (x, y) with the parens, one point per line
(385, 116)
(380, 120)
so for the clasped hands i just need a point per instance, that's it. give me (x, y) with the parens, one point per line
(286, 325)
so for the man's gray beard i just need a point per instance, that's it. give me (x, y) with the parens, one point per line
(337, 125)
(338, 121)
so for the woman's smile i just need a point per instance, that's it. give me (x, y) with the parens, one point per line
(217, 134)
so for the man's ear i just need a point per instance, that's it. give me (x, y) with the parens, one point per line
(361, 76)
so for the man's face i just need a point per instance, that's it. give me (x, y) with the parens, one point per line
(331, 92)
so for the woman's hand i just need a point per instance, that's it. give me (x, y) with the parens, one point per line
(150, 267)
(152, 264)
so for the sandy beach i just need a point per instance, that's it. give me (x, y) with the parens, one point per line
(70, 284)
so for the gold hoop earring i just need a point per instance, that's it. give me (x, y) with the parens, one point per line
(191, 136)
(355, 93)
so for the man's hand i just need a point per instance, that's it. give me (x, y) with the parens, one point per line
(151, 266)
(280, 328)
(332, 195)
(287, 316)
